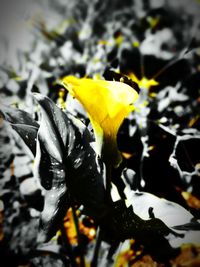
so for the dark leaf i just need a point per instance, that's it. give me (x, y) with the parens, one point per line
(122, 223)
(23, 123)
(56, 204)
(29, 135)
(66, 161)
(193, 225)
(86, 172)
(17, 116)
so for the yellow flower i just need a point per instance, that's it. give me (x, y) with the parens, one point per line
(144, 82)
(107, 104)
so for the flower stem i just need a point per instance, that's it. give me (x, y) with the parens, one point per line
(108, 181)
(108, 166)
(96, 249)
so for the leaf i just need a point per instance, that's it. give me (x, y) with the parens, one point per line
(174, 216)
(86, 172)
(56, 205)
(51, 140)
(23, 123)
(67, 166)
(56, 198)
(28, 134)
(17, 116)
(48, 169)
(123, 223)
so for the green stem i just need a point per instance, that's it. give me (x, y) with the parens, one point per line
(108, 181)
(82, 260)
(94, 262)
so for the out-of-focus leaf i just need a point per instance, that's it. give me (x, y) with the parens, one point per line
(189, 256)
(185, 158)
(191, 200)
(185, 152)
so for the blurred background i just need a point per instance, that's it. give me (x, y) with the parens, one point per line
(156, 44)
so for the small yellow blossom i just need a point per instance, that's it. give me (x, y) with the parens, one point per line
(107, 104)
(60, 101)
(153, 22)
(144, 82)
(136, 44)
(119, 40)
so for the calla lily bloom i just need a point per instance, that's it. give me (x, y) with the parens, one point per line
(107, 104)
